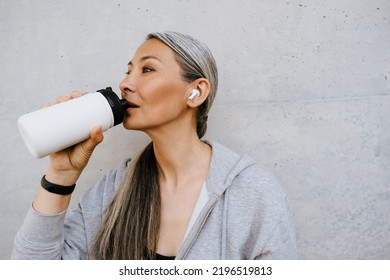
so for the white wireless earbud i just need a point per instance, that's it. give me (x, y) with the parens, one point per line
(195, 93)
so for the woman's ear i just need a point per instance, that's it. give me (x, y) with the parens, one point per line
(199, 91)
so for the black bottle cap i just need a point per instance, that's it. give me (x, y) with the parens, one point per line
(118, 106)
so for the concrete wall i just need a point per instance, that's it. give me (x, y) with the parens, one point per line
(304, 89)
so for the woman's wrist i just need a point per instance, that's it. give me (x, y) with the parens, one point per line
(63, 178)
(55, 188)
(48, 202)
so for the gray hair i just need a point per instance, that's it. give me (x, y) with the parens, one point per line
(196, 61)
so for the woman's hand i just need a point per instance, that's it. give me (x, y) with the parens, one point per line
(67, 165)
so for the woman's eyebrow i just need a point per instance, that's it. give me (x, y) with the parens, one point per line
(146, 57)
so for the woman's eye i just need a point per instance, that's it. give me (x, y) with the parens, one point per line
(147, 70)
(127, 72)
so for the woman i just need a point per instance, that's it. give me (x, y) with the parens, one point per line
(181, 197)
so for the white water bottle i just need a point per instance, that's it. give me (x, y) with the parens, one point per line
(60, 126)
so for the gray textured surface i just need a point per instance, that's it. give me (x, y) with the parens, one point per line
(304, 89)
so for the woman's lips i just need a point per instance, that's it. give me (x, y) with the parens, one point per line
(132, 105)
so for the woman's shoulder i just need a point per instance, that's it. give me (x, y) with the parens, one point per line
(260, 192)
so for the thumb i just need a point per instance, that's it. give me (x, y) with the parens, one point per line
(95, 138)
(82, 152)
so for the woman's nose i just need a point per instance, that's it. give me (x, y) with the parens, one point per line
(127, 85)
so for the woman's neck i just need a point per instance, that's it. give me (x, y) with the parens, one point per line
(180, 156)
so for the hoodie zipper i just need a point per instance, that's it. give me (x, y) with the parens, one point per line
(196, 228)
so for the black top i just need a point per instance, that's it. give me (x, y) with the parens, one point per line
(162, 257)
(158, 256)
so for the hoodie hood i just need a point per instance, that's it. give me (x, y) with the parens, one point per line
(225, 166)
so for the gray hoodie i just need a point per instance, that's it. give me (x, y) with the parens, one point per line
(242, 213)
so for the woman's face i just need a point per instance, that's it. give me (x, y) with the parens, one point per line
(154, 85)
